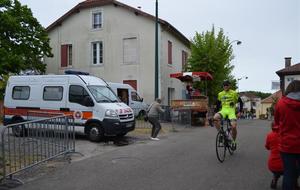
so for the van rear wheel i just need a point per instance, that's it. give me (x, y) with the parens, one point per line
(19, 130)
(95, 132)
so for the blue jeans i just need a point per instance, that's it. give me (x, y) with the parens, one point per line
(291, 170)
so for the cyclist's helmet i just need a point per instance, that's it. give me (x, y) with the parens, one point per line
(226, 83)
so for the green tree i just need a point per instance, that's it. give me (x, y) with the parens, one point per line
(212, 52)
(23, 41)
(3, 81)
(262, 95)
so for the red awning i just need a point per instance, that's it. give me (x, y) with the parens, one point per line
(192, 76)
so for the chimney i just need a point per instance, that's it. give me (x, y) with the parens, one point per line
(287, 61)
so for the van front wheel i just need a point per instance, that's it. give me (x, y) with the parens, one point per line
(95, 132)
(121, 135)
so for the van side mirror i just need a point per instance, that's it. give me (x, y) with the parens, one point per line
(142, 99)
(88, 102)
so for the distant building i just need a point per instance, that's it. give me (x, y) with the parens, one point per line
(251, 101)
(288, 74)
(116, 42)
(267, 102)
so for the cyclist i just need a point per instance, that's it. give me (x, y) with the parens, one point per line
(227, 100)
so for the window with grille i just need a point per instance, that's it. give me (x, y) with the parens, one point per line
(66, 55)
(97, 20)
(170, 52)
(97, 53)
(184, 59)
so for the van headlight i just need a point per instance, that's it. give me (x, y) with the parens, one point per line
(111, 113)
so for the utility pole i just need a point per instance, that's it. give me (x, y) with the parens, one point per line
(156, 50)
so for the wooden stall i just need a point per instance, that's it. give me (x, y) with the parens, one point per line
(196, 104)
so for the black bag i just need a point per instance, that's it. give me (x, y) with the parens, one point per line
(146, 114)
(146, 117)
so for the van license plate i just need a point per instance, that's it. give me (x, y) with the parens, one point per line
(129, 125)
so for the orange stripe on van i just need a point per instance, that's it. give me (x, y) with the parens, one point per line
(43, 112)
(87, 115)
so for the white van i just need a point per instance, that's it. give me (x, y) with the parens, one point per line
(129, 96)
(95, 108)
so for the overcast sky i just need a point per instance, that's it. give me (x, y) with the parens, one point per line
(269, 29)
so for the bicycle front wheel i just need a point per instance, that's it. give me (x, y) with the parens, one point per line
(220, 146)
(229, 142)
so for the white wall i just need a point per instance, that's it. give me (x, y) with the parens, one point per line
(176, 66)
(290, 78)
(118, 23)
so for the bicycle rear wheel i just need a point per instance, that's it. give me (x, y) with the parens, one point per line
(220, 146)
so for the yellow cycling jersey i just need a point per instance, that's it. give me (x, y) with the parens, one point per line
(228, 98)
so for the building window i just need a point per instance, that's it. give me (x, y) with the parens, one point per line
(97, 53)
(53, 93)
(184, 56)
(21, 92)
(169, 52)
(97, 20)
(66, 55)
(70, 53)
(130, 50)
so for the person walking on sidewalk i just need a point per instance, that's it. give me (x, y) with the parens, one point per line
(153, 117)
(287, 114)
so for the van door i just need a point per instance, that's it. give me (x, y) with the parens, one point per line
(137, 104)
(77, 103)
(123, 95)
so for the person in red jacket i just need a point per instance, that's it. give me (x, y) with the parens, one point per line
(287, 117)
(275, 164)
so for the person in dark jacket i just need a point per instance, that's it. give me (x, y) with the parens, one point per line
(275, 164)
(153, 117)
(287, 114)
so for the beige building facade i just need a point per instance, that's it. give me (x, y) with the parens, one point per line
(116, 42)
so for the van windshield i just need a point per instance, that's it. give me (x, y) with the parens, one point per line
(103, 94)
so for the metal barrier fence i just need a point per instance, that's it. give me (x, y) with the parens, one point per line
(186, 117)
(28, 144)
(177, 117)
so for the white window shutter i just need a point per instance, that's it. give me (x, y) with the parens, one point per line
(130, 50)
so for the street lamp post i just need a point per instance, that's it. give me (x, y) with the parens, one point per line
(238, 42)
(156, 50)
(243, 77)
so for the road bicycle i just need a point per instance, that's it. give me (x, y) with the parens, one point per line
(224, 140)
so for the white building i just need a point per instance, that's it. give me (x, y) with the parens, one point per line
(288, 73)
(116, 42)
(251, 102)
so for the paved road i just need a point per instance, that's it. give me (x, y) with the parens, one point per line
(185, 160)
